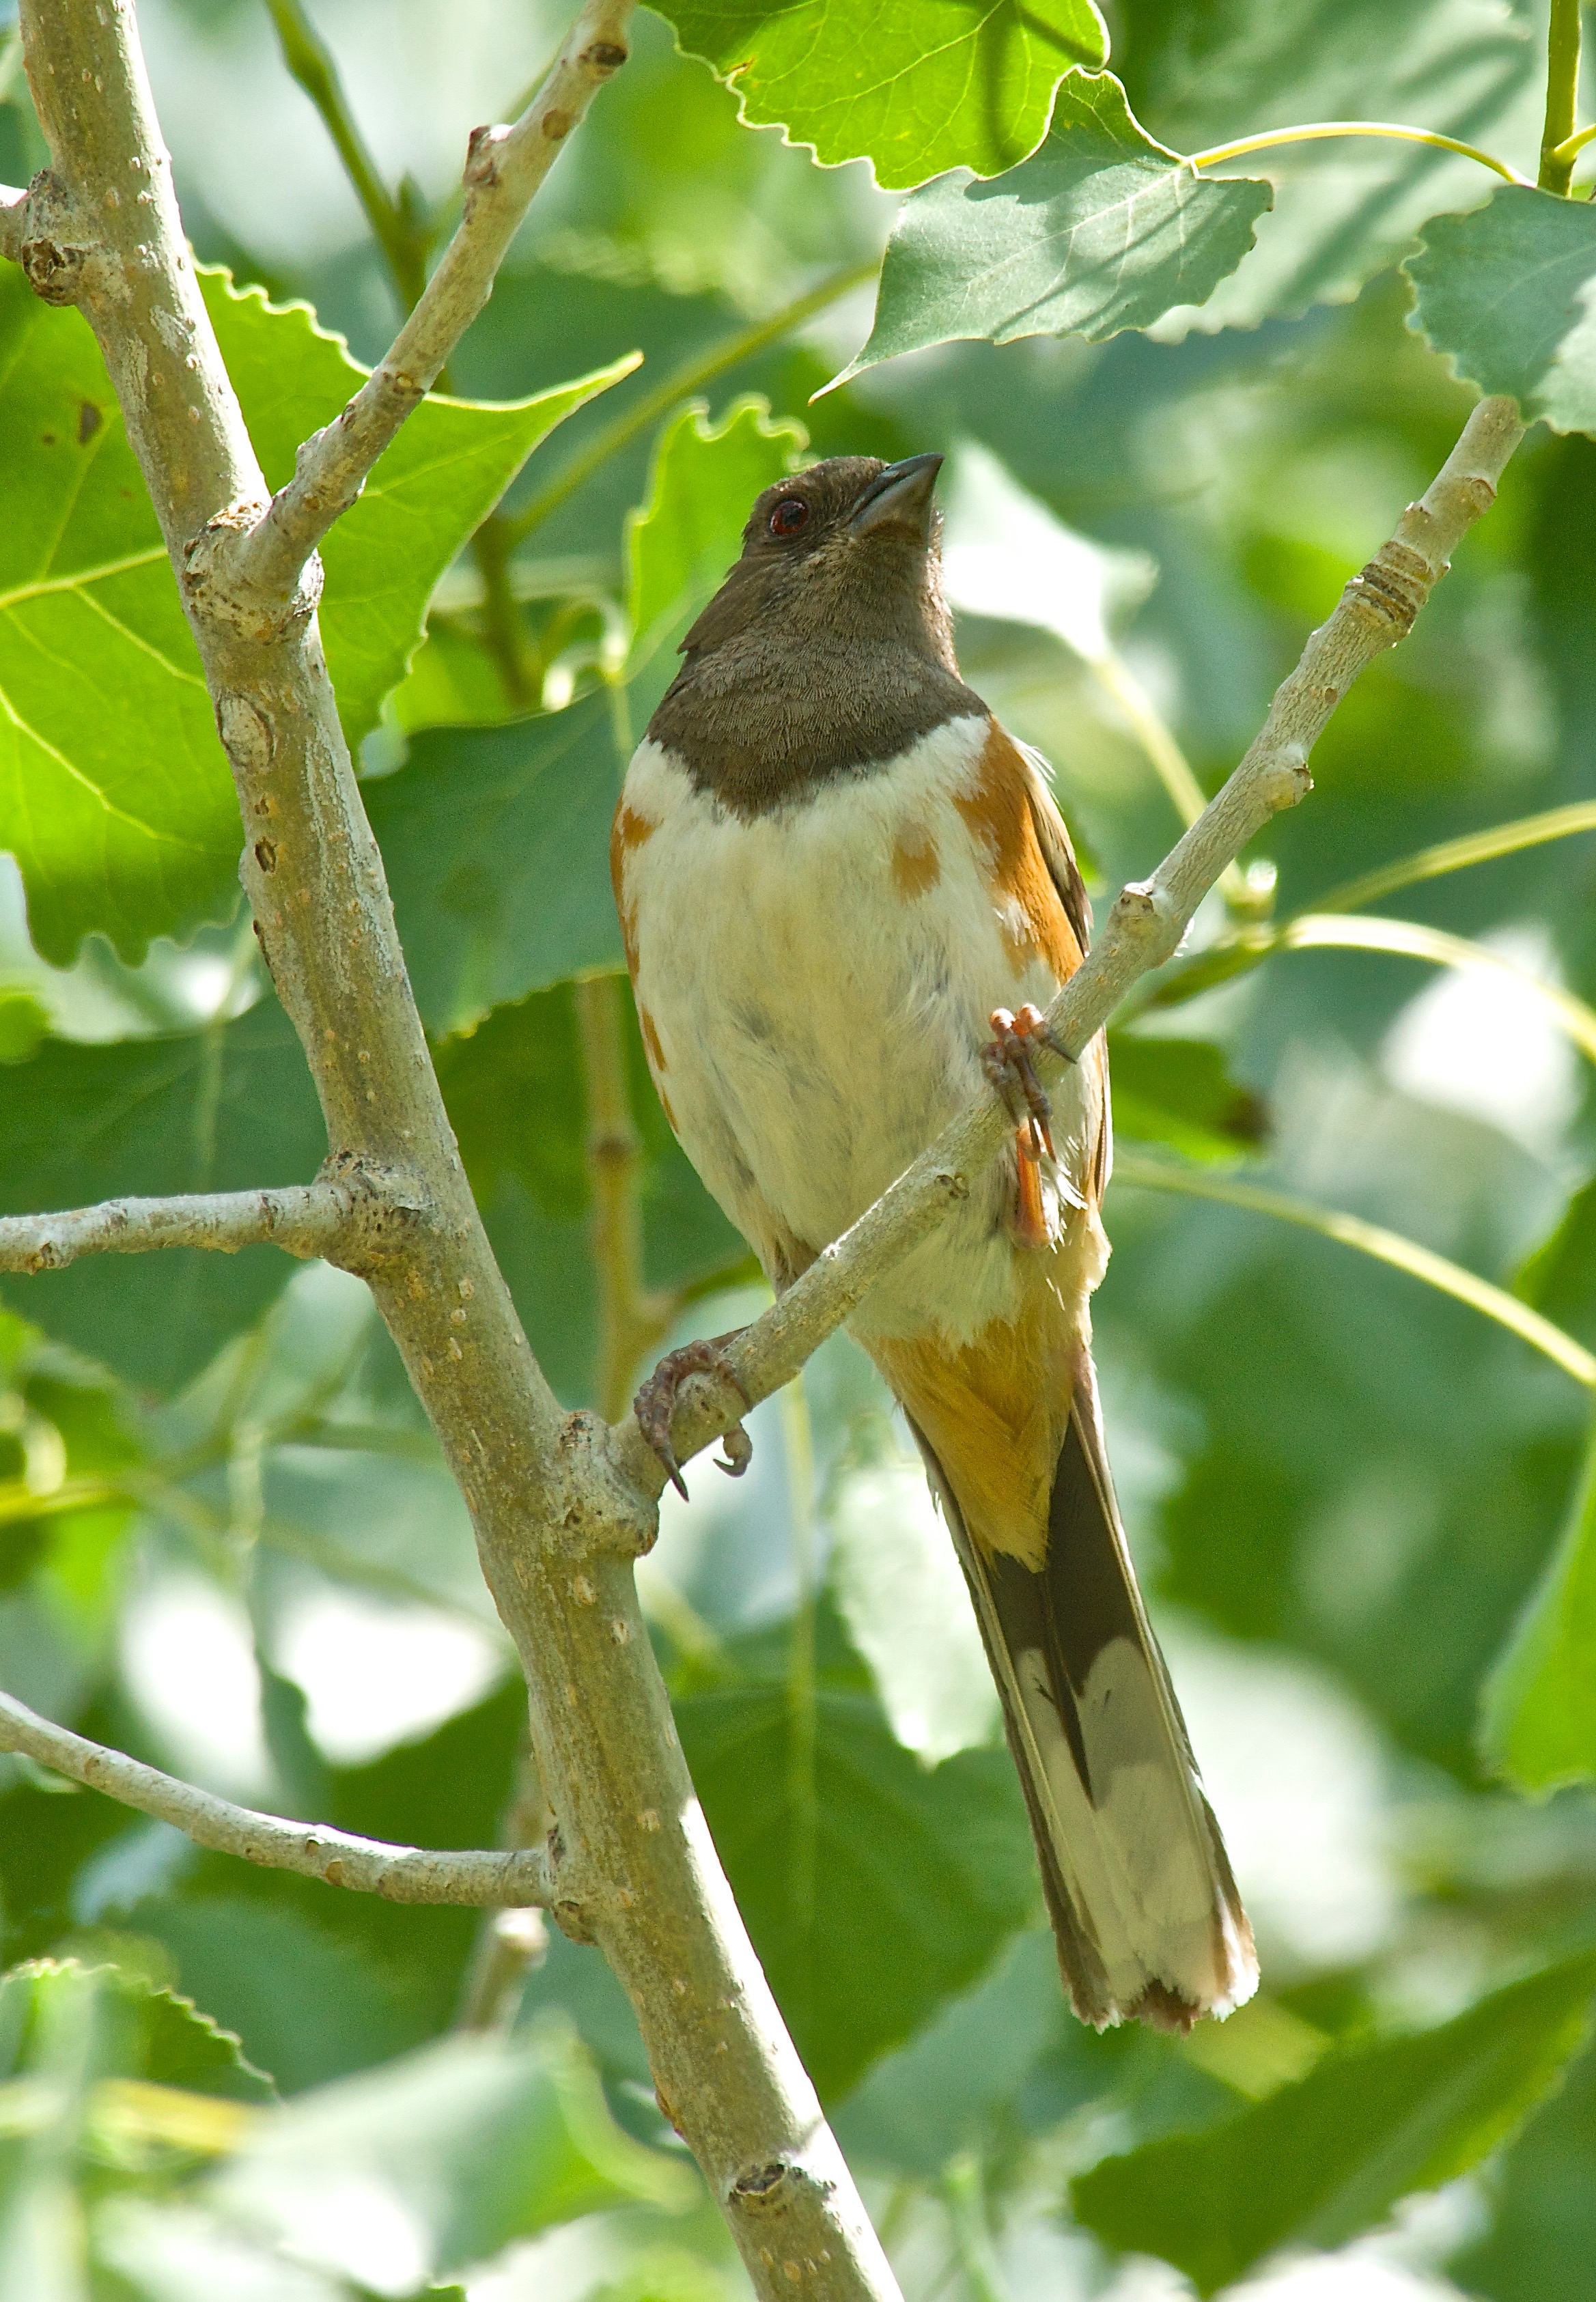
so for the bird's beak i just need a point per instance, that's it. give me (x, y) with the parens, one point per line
(899, 498)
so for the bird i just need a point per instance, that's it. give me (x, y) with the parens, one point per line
(847, 894)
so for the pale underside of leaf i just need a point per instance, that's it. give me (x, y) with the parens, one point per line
(1508, 294)
(1101, 229)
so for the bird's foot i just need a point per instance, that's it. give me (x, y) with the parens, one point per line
(656, 1403)
(1008, 1063)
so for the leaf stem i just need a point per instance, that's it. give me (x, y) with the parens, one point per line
(1315, 132)
(691, 377)
(309, 60)
(1562, 95)
(1458, 855)
(1153, 1175)
(1573, 146)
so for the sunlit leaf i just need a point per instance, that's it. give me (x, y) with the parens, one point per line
(914, 86)
(1537, 1714)
(1100, 230)
(221, 1109)
(1508, 293)
(114, 795)
(1319, 2161)
(1343, 209)
(446, 468)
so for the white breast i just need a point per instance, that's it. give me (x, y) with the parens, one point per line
(815, 987)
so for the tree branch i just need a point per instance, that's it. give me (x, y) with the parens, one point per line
(400, 1874)
(13, 220)
(307, 1219)
(1145, 928)
(504, 169)
(557, 1525)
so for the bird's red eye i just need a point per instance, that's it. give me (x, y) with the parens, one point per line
(789, 516)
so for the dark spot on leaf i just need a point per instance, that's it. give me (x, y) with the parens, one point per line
(89, 420)
(49, 439)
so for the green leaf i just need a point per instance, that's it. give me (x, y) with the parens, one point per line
(218, 1110)
(1508, 293)
(70, 2038)
(913, 85)
(1101, 229)
(127, 2027)
(1344, 209)
(444, 471)
(497, 839)
(460, 2148)
(682, 539)
(114, 795)
(1559, 1278)
(23, 1023)
(497, 845)
(1538, 1710)
(873, 1887)
(1322, 2160)
(1178, 1092)
(515, 1096)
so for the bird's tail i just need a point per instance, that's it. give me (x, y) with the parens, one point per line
(1144, 1906)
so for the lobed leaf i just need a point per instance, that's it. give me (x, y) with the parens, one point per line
(1326, 2158)
(1100, 230)
(1508, 293)
(913, 85)
(680, 541)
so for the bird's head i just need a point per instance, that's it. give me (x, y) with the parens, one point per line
(845, 551)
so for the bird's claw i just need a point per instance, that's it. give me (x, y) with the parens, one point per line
(1009, 1065)
(656, 1403)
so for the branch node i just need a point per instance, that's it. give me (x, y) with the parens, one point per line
(216, 592)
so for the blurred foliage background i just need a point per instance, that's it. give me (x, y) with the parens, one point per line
(226, 1543)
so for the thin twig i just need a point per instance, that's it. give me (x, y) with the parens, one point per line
(308, 1220)
(1144, 929)
(505, 167)
(1143, 1172)
(519, 1880)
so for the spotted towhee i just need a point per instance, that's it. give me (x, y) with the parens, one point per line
(838, 879)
